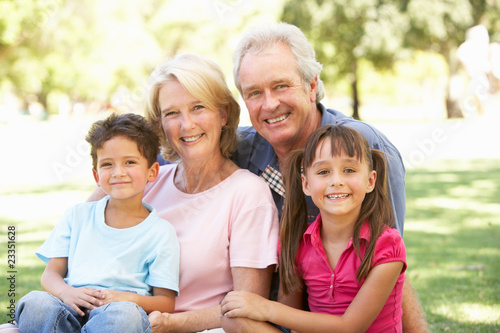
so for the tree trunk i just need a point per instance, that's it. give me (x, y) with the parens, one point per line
(355, 95)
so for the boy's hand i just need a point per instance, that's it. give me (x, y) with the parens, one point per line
(83, 297)
(109, 296)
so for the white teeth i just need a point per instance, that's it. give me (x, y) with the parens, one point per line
(337, 196)
(194, 138)
(275, 120)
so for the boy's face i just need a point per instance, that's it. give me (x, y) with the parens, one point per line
(122, 171)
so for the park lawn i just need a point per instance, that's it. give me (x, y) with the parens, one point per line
(452, 235)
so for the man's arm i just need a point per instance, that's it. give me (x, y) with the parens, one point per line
(413, 315)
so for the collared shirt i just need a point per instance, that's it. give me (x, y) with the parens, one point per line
(331, 290)
(255, 154)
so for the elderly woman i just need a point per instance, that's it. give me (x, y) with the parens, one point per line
(225, 217)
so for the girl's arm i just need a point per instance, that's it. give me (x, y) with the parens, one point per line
(358, 317)
(162, 300)
(253, 280)
(53, 282)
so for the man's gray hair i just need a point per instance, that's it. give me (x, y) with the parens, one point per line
(264, 37)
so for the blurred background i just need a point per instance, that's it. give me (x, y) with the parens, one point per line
(425, 72)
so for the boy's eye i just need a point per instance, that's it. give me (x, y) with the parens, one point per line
(130, 162)
(349, 170)
(103, 165)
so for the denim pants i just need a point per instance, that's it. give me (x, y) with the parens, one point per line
(41, 312)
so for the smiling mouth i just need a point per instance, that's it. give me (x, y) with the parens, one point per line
(192, 138)
(275, 120)
(337, 196)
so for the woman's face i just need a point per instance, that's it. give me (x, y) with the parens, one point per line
(190, 126)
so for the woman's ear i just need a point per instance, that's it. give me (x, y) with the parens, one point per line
(224, 117)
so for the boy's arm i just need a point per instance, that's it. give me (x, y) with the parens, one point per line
(163, 300)
(53, 282)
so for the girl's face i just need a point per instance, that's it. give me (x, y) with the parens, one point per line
(192, 128)
(337, 184)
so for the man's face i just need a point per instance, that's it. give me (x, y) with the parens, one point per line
(280, 107)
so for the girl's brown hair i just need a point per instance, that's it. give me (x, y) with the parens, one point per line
(376, 207)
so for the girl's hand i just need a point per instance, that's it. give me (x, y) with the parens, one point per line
(83, 297)
(245, 304)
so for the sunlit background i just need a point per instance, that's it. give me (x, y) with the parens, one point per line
(425, 72)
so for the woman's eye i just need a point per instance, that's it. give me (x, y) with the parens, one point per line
(199, 107)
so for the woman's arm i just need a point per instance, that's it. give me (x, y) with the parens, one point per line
(53, 282)
(250, 279)
(358, 317)
(162, 300)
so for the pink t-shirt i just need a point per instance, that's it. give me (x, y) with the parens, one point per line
(233, 224)
(332, 291)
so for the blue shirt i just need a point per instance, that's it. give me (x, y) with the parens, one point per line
(255, 154)
(133, 259)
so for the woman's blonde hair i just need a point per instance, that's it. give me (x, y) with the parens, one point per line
(203, 79)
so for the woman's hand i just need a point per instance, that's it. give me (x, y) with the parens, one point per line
(245, 304)
(159, 322)
(83, 297)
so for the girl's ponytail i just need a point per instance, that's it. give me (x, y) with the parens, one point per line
(377, 209)
(293, 222)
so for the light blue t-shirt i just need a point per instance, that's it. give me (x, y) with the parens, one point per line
(133, 259)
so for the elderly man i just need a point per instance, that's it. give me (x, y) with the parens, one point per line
(277, 74)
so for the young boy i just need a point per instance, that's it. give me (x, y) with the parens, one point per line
(112, 261)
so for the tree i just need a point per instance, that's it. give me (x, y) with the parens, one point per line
(345, 31)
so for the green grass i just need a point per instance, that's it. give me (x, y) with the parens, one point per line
(452, 234)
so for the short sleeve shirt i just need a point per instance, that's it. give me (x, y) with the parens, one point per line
(132, 259)
(233, 224)
(331, 291)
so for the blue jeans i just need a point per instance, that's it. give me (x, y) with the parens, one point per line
(41, 312)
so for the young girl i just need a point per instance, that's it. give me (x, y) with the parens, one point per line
(350, 260)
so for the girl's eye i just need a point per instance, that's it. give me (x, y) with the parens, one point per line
(323, 172)
(104, 165)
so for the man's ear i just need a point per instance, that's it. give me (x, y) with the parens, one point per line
(153, 172)
(96, 177)
(313, 89)
(305, 186)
